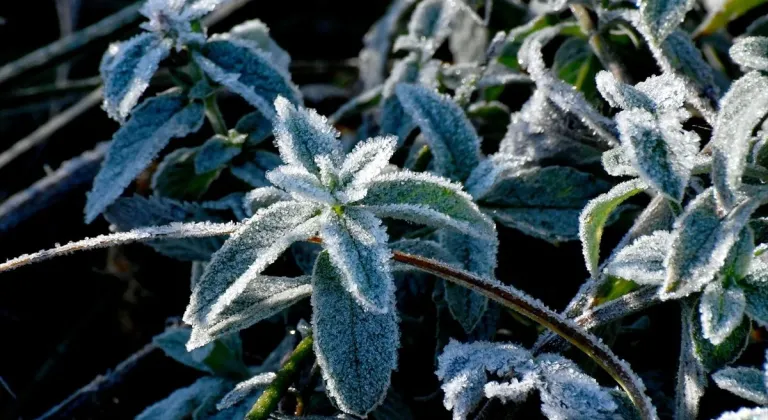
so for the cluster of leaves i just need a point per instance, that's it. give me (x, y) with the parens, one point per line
(439, 160)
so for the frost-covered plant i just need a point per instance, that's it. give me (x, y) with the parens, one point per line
(448, 144)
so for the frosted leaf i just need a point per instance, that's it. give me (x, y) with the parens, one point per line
(755, 287)
(256, 126)
(262, 198)
(246, 389)
(217, 152)
(741, 109)
(668, 91)
(622, 95)
(175, 176)
(302, 135)
(183, 402)
(431, 23)
(751, 52)
(617, 163)
(134, 212)
(529, 143)
(363, 163)
(567, 393)
(247, 72)
(661, 151)
(722, 309)
(247, 253)
(478, 256)
(301, 184)
(745, 414)
(356, 349)
(714, 357)
(171, 342)
(394, 120)
(452, 139)
(377, 44)
(136, 143)
(232, 202)
(422, 247)
(126, 71)
(551, 225)
(643, 260)
(257, 32)
(357, 245)
(515, 391)
(468, 38)
(661, 17)
(263, 297)
(595, 215)
(701, 243)
(682, 56)
(747, 383)
(426, 199)
(253, 170)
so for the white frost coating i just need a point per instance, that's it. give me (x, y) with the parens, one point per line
(722, 310)
(756, 291)
(515, 390)
(748, 383)
(298, 182)
(661, 17)
(245, 389)
(741, 109)
(621, 95)
(745, 414)
(302, 135)
(751, 52)
(170, 231)
(616, 162)
(247, 253)
(431, 23)
(595, 215)
(701, 243)
(357, 244)
(661, 151)
(263, 198)
(126, 71)
(426, 199)
(643, 260)
(183, 402)
(257, 31)
(366, 161)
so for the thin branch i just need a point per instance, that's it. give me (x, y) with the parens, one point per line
(99, 384)
(40, 135)
(71, 43)
(267, 402)
(176, 230)
(71, 174)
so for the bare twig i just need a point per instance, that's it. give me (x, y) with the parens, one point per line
(71, 43)
(40, 135)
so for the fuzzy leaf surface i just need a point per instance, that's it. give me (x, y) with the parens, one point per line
(747, 383)
(642, 261)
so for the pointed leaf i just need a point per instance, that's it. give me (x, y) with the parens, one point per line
(595, 215)
(357, 245)
(245, 389)
(426, 199)
(356, 349)
(723, 12)
(136, 143)
(756, 290)
(741, 109)
(642, 261)
(394, 119)
(256, 126)
(568, 393)
(176, 177)
(217, 152)
(751, 52)
(722, 309)
(622, 95)
(366, 161)
(661, 17)
(262, 198)
(247, 253)
(745, 414)
(257, 32)
(714, 357)
(183, 402)
(248, 72)
(747, 383)
(452, 139)
(300, 183)
(126, 70)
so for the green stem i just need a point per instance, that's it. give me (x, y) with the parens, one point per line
(599, 46)
(213, 113)
(267, 402)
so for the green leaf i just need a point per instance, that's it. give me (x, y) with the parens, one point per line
(727, 11)
(595, 216)
(256, 126)
(661, 17)
(741, 109)
(216, 152)
(642, 261)
(426, 199)
(714, 357)
(575, 64)
(152, 125)
(248, 72)
(176, 177)
(356, 349)
(261, 240)
(452, 139)
(747, 383)
(686, 58)
(722, 310)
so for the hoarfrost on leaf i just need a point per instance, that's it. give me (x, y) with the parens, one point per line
(246, 389)
(722, 309)
(661, 17)
(745, 414)
(751, 52)
(747, 383)
(642, 261)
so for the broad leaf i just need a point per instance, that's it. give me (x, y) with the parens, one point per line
(217, 152)
(745, 414)
(595, 215)
(751, 52)
(714, 357)
(264, 197)
(661, 151)
(747, 383)
(452, 139)
(722, 309)
(248, 72)
(253, 170)
(741, 109)
(256, 126)
(430, 25)
(661, 17)
(357, 245)
(724, 12)
(356, 349)
(136, 143)
(257, 32)
(622, 95)
(643, 260)
(126, 70)
(263, 297)
(682, 56)
(246, 254)
(223, 357)
(394, 119)
(301, 184)
(755, 287)
(568, 393)
(177, 178)
(426, 199)
(245, 389)
(184, 402)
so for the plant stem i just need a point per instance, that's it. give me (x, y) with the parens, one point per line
(599, 46)
(268, 401)
(213, 113)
